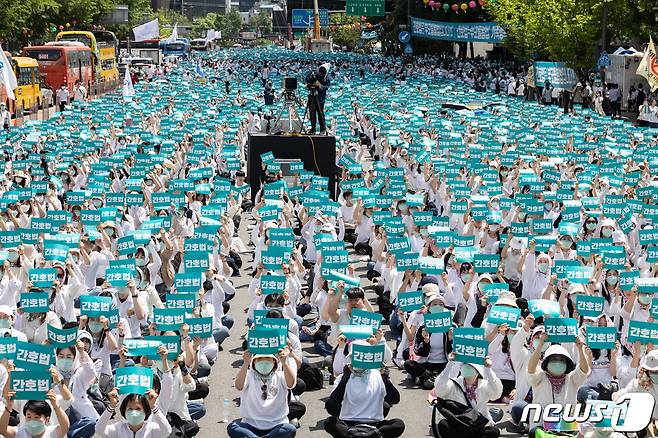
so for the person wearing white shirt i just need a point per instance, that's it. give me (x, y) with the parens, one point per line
(5, 117)
(37, 418)
(358, 398)
(264, 396)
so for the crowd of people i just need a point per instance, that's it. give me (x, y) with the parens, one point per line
(499, 253)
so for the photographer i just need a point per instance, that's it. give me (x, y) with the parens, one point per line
(317, 84)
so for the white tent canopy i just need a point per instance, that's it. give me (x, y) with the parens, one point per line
(622, 71)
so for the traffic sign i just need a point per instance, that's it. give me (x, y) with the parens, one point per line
(365, 8)
(408, 49)
(404, 37)
(303, 18)
(604, 60)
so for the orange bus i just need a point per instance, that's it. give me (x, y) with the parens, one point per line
(63, 63)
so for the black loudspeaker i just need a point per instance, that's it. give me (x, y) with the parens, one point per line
(317, 152)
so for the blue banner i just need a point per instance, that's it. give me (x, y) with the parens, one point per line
(557, 73)
(441, 30)
(303, 18)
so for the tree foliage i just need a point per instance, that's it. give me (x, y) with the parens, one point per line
(203, 24)
(345, 30)
(262, 22)
(230, 24)
(570, 30)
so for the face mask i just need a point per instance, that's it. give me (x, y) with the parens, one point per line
(140, 261)
(521, 216)
(5, 323)
(436, 309)
(495, 205)
(535, 344)
(504, 173)
(644, 299)
(493, 228)
(358, 372)
(35, 427)
(264, 367)
(468, 372)
(654, 378)
(548, 206)
(510, 336)
(109, 232)
(135, 417)
(142, 284)
(556, 368)
(12, 256)
(95, 327)
(565, 243)
(543, 267)
(97, 203)
(606, 232)
(590, 226)
(64, 364)
(612, 280)
(466, 277)
(424, 232)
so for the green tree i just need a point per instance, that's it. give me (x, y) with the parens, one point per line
(203, 24)
(345, 30)
(230, 24)
(262, 22)
(25, 20)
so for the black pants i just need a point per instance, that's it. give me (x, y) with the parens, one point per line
(363, 248)
(447, 431)
(62, 106)
(296, 410)
(316, 113)
(339, 429)
(426, 372)
(508, 387)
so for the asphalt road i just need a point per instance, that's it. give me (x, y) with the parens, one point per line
(413, 409)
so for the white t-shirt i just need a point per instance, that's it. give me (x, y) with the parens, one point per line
(364, 398)
(269, 413)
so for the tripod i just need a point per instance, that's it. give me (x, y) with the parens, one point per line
(313, 94)
(290, 103)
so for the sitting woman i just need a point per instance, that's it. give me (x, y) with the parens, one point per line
(264, 390)
(470, 385)
(358, 401)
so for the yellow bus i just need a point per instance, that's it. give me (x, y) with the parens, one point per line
(28, 91)
(104, 47)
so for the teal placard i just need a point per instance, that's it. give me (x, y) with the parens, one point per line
(55, 251)
(366, 357)
(141, 347)
(337, 276)
(355, 331)
(486, 263)
(184, 302)
(504, 315)
(544, 308)
(589, 305)
(62, 338)
(363, 317)
(8, 348)
(645, 332)
(94, 306)
(201, 327)
(168, 319)
(601, 337)
(410, 301)
(31, 356)
(438, 322)
(272, 284)
(118, 277)
(627, 279)
(578, 274)
(647, 285)
(407, 261)
(273, 258)
(42, 277)
(196, 261)
(30, 385)
(492, 291)
(431, 265)
(170, 342)
(133, 380)
(561, 329)
(188, 282)
(470, 350)
(34, 302)
(561, 267)
(266, 341)
(126, 245)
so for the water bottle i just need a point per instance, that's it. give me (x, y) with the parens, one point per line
(326, 376)
(225, 409)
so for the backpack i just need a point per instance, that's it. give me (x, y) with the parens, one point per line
(465, 421)
(311, 376)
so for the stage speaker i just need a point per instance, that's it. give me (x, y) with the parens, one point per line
(317, 152)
